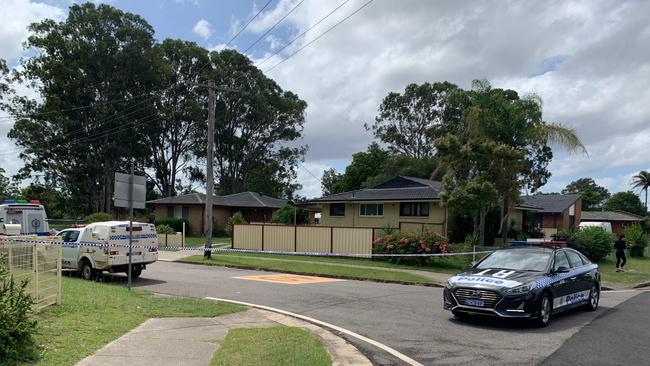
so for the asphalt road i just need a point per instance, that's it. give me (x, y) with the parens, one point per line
(409, 319)
(618, 337)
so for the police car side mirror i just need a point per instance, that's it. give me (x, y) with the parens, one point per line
(562, 269)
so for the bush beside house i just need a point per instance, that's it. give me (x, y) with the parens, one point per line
(637, 239)
(236, 219)
(426, 242)
(594, 242)
(98, 217)
(174, 223)
(285, 215)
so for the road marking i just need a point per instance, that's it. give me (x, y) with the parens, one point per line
(350, 333)
(288, 279)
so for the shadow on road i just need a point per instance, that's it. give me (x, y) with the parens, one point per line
(119, 279)
(562, 321)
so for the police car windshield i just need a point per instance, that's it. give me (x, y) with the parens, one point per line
(519, 260)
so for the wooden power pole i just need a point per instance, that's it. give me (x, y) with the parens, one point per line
(209, 191)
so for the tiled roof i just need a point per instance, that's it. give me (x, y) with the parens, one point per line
(397, 188)
(550, 203)
(609, 216)
(243, 199)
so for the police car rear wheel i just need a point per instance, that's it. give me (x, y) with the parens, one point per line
(594, 298)
(544, 316)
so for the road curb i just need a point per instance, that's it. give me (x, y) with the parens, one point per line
(372, 342)
(254, 268)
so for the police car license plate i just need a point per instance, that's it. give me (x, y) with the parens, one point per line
(471, 302)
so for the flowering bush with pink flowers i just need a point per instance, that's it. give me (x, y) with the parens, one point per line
(410, 243)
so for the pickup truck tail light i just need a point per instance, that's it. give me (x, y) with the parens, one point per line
(153, 250)
(114, 252)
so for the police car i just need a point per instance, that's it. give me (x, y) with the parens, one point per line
(528, 282)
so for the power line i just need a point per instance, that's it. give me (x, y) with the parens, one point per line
(302, 34)
(273, 26)
(245, 26)
(319, 36)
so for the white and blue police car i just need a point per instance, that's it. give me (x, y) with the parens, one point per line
(527, 282)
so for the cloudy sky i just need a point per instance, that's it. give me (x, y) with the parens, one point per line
(588, 60)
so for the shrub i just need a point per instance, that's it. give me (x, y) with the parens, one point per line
(594, 242)
(410, 243)
(636, 237)
(165, 229)
(236, 219)
(173, 222)
(387, 230)
(16, 322)
(285, 215)
(98, 217)
(472, 239)
(535, 233)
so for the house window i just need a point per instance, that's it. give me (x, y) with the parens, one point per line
(371, 209)
(170, 211)
(414, 209)
(337, 209)
(185, 213)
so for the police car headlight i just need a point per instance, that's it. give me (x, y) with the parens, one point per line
(520, 289)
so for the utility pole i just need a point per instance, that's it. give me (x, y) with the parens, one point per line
(209, 191)
(130, 269)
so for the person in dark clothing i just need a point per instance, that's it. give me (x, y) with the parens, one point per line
(620, 245)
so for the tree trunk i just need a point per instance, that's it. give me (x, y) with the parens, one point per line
(481, 234)
(503, 227)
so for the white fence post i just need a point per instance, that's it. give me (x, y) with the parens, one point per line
(35, 267)
(9, 258)
(58, 273)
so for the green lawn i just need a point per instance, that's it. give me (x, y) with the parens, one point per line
(199, 241)
(270, 347)
(315, 268)
(637, 270)
(92, 314)
(441, 264)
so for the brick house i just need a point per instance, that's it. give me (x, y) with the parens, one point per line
(191, 207)
(619, 219)
(552, 212)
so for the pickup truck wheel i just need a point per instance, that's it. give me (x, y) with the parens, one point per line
(135, 273)
(87, 272)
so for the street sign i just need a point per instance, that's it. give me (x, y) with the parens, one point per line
(122, 188)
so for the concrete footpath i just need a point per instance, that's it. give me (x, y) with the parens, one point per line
(193, 341)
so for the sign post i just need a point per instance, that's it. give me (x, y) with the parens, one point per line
(130, 191)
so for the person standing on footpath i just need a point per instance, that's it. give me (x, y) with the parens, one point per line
(620, 245)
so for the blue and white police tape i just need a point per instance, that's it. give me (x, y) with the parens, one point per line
(251, 251)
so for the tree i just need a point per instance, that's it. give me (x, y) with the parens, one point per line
(641, 182)
(625, 201)
(257, 124)
(285, 215)
(592, 194)
(364, 165)
(99, 57)
(424, 167)
(4, 85)
(181, 108)
(509, 131)
(407, 123)
(55, 203)
(8, 188)
(329, 180)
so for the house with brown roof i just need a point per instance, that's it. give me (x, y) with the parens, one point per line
(404, 203)
(618, 219)
(551, 213)
(191, 207)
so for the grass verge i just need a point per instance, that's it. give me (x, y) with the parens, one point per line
(637, 270)
(92, 314)
(199, 241)
(270, 347)
(376, 274)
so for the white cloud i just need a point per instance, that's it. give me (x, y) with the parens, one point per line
(203, 29)
(593, 58)
(309, 175)
(16, 16)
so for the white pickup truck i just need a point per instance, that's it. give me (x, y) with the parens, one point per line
(103, 246)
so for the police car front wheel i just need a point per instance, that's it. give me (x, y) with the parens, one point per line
(594, 298)
(545, 308)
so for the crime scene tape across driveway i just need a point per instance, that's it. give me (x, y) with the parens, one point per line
(226, 250)
(350, 333)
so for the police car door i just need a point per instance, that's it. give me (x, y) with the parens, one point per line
(562, 286)
(70, 249)
(583, 276)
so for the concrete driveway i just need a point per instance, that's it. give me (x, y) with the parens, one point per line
(409, 319)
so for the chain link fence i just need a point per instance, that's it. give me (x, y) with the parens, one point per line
(39, 263)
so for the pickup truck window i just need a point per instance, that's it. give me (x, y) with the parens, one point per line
(71, 237)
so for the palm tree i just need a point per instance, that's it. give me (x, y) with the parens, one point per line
(642, 182)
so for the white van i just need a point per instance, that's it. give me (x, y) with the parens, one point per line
(607, 226)
(30, 216)
(103, 246)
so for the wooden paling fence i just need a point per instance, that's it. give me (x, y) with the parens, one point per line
(310, 239)
(39, 264)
